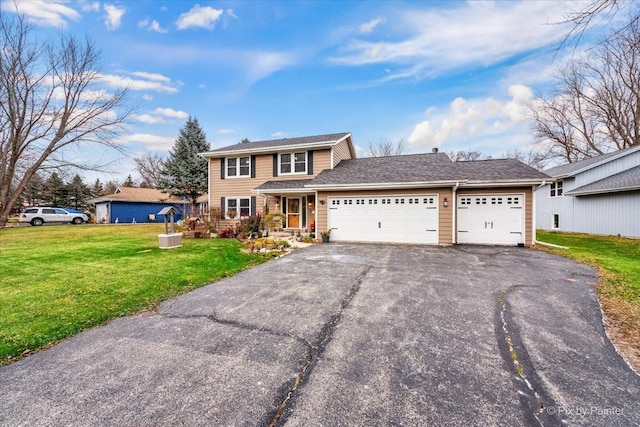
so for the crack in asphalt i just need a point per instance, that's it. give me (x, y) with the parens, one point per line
(241, 325)
(323, 338)
(531, 393)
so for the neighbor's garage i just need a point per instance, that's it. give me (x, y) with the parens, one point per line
(493, 219)
(389, 218)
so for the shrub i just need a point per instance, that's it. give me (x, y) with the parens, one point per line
(250, 226)
(227, 233)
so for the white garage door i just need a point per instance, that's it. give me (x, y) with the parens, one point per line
(493, 219)
(394, 219)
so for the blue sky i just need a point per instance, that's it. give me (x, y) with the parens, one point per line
(453, 74)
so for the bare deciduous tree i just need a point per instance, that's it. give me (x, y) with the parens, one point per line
(51, 99)
(384, 146)
(595, 107)
(462, 155)
(150, 166)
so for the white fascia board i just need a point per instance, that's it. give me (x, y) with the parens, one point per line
(510, 183)
(603, 191)
(266, 150)
(284, 190)
(381, 186)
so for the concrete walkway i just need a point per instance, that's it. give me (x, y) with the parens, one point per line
(352, 335)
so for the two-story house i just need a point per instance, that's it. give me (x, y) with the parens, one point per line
(419, 198)
(599, 195)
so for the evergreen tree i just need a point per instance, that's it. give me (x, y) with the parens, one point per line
(97, 190)
(128, 182)
(78, 193)
(34, 193)
(185, 172)
(55, 191)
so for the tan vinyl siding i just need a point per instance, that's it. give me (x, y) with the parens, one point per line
(444, 214)
(341, 152)
(528, 209)
(241, 187)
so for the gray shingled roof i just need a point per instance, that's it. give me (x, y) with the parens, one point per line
(247, 146)
(423, 168)
(623, 181)
(497, 170)
(570, 168)
(283, 185)
(408, 168)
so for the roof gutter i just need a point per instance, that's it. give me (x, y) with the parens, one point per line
(272, 149)
(380, 185)
(492, 183)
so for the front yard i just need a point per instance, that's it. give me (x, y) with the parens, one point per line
(57, 281)
(618, 262)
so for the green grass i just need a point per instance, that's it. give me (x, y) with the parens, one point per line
(618, 260)
(57, 281)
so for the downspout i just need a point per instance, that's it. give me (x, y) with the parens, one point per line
(533, 210)
(453, 214)
(317, 206)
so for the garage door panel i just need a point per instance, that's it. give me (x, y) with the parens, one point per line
(397, 219)
(491, 219)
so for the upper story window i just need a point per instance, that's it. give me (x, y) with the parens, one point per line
(238, 167)
(291, 163)
(555, 189)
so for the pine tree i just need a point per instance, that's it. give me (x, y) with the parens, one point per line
(98, 189)
(128, 182)
(55, 191)
(185, 172)
(78, 193)
(34, 193)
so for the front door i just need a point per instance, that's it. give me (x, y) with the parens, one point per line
(293, 212)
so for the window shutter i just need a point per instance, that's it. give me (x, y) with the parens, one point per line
(223, 213)
(275, 164)
(253, 205)
(253, 166)
(310, 163)
(222, 168)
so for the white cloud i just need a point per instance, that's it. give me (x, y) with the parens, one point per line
(226, 131)
(40, 12)
(147, 82)
(279, 134)
(152, 26)
(198, 16)
(263, 64)
(152, 76)
(93, 6)
(368, 27)
(231, 13)
(169, 112)
(468, 120)
(152, 142)
(113, 16)
(160, 115)
(463, 35)
(147, 97)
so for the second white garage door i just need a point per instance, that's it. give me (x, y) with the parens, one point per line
(393, 219)
(492, 219)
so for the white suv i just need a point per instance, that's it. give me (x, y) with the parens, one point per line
(38, 216)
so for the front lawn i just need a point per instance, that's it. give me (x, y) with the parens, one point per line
(618, 263)
(58, 280)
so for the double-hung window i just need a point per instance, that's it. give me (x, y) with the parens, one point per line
(555, 189)
(237, 207)
(292, 163)
(238, 167)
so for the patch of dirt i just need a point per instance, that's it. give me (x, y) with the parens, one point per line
(622, 322)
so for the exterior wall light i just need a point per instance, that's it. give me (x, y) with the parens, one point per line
(445, 203)
(322, 202)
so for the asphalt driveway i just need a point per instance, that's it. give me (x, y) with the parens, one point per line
(347, 335)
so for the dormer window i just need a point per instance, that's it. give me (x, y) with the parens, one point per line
(238, 167)
(293, 163)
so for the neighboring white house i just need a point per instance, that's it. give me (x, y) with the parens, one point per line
(600, 195)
